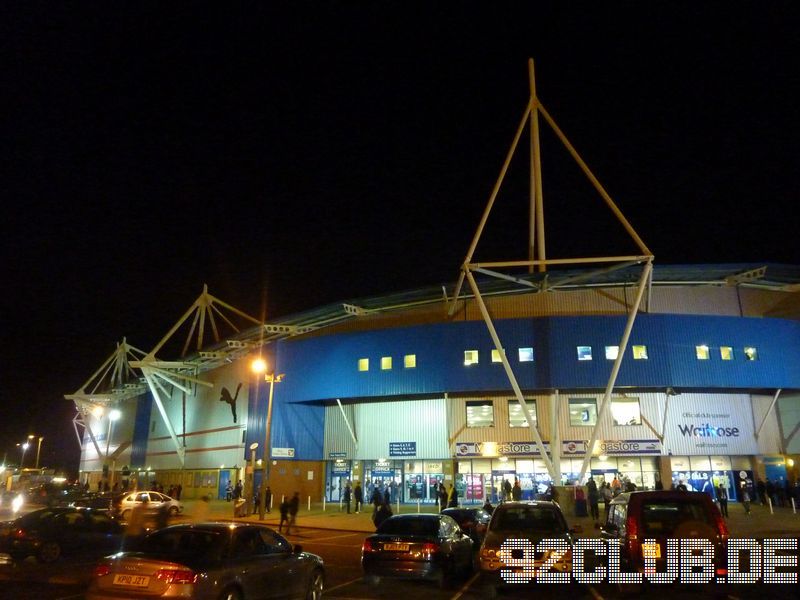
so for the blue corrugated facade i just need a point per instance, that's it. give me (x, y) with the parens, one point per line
(141, 430)
(326, 367)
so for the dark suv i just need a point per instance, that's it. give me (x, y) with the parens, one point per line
(635, 517)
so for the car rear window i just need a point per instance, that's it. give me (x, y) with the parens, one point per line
(410, 526)
(184, 543)
(527, 518)
(663, 517)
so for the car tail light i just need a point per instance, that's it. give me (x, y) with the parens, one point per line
(367, 546)
(20, 534)
(632, 529)
(430, 548)
(101, 571)
(176, 576)
(722, 527)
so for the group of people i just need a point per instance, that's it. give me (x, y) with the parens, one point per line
(381, 500)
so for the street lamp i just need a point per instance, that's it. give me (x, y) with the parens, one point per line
(39, 451)
(24, 447)
(260, 366)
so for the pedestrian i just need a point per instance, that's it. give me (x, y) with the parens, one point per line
(178, 491)
(229, 492)
(745, 498)
(506, 490)
(137, 525)
(594, 498)
(284, 508)
(294, 506)
(346, 497)
(770, 491)
(237, 491)
(452, 497)
(442, 496)
(722, 497)
(387, 495)
(516, 491)
(607, 496)
(376, 499)
(616, 487)
(487, 506)
(384, 512)
(358, 495)
(761, 489)
(681, 487)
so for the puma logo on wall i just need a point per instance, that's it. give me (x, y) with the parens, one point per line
(225, 396)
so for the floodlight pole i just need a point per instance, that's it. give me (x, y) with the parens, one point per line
(272, 379)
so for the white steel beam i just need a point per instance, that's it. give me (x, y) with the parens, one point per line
(155, 390)
(347, 422)
(769, 410)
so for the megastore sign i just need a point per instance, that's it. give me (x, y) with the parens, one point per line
(568, 448)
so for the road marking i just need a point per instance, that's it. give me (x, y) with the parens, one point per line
(333, 537)
(594, 592)
(341, 585)
(465, 587)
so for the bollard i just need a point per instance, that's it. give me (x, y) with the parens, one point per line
(398, 504)
(769, 501)
(417, 504)
(323, 503)
(794, 508)
(309, 504)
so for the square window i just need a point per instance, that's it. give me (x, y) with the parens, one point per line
(480, 413)
(496, 356)
(470, 357)
(726, 352)
(363, 364)
(750, 353)
(386, 363)
(626, 411)
(584, 353)
(516, 416)
(702, 352)
(612, 352)
(640, 353)
(526, 355)
(410, 361)
(582, 412)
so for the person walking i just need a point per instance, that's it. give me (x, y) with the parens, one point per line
(228, 492)
(594, 498)
(237, 491)
(442, 497)
(358, 496)
(294, 506)
(607, 496)
(516, 491)
(268, 500)
(722, 497)
(745, 498)
(384, 512)
(346, 497)
(506, 490)
(284, 509)
(452, 497)
(376, 499)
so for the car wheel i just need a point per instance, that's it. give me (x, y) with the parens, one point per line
(372, 581)
(125, 514)
(49, 552)
(315, 586)
(173, 510)
(231, 593)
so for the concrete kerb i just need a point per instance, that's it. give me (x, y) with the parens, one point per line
(758, 524)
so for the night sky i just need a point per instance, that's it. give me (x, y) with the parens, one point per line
(320, 152)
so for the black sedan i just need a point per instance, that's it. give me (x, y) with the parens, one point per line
(50, 533)
(214, 561)
(473, 521)
(417, 546)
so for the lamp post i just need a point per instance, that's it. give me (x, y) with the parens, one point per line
(24, 447)
(260, 366)
(39, 451)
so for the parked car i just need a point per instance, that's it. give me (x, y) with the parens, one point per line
(229, 561)
(659, 515)
(50, 533)
(96, 500)
(124, 504)
(417, 546)
(472, 520)
(533, 521)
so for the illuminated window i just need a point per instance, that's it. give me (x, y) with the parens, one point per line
(640, 353)
(516, 416)
(470, 357)
(584, 353)
(625, 411)
(480, 413)
(582, 412)
(410, 361)
(702, 352)
(750, 353)
(612, 352)
(526, 355)
(386, 363)
(496, 356)
(363, 364)
(726, 352)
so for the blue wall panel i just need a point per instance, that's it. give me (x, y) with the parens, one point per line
(325, 367)
(141, 430)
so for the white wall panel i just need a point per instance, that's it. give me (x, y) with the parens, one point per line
(694, 300)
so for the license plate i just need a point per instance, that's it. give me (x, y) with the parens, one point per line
(396, 547)
(651, 551)
(132, 580)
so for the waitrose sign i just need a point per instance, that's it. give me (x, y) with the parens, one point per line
(700, 425)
